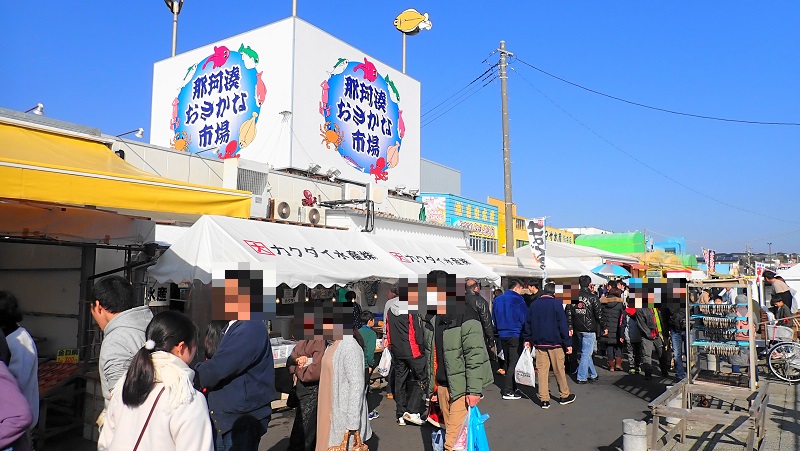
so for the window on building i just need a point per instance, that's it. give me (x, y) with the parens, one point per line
(481, 244)
(520, 224)
(521, 243)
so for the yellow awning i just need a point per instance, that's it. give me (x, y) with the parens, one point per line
(47, 167)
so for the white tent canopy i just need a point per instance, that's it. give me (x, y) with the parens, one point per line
(570, 260)
(305, 255)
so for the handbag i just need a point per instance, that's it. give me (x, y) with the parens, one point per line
(141, 434)
(292, 400)
(358, 445)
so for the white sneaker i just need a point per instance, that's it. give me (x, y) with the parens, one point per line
(401, 421)
(413, 418)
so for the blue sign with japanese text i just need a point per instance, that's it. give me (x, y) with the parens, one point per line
(219, 104)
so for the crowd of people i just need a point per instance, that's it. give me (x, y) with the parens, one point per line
(441, 334)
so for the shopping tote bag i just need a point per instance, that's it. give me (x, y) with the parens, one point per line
(524, 373)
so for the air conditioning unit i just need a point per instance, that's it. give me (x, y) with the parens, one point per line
(252, 176)
(286, 210)
(312, 215)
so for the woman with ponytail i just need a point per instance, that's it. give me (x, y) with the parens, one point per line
(155, 406)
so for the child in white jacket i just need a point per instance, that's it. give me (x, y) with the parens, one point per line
(155, 405)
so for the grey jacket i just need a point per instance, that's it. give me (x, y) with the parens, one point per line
(349, 402)
(123, 337)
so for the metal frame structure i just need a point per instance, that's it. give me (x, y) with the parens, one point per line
(677, 401)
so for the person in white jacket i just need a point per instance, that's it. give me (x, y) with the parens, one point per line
(24, 356)
(155, 406)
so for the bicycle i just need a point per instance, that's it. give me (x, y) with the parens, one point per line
(783, 357)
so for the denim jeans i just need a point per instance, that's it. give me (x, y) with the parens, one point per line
(245, 435)
(678, 349)
(586, 365)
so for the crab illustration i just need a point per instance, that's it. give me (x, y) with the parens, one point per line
(331, 135)
(181, 141)
(378, 171)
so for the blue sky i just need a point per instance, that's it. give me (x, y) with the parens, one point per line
(91, 62)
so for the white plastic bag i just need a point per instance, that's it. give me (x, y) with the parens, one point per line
(461, 439)
(524, 373)
(437, 440)
(385, 364)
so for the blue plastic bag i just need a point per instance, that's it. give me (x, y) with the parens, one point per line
(476, 437)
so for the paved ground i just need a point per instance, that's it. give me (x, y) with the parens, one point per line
(593, 422)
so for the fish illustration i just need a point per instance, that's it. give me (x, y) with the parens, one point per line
(219, 57)
(401, 126)
(247, 131)
(393, 154)
(339, 67)
(174, 122)
(324, 109)
(190, 71)
(370, 73)
(261, 89)
(411, 21)
(352, 162)
(249, 52)
(390, 83)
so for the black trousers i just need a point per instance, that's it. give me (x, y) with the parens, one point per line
(512, 351)
(409, 380)
(304, 429)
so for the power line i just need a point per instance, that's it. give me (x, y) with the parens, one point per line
(479, 77)
(663, 110)
(666, 176)
(460, 102)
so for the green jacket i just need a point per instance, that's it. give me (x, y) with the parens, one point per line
(370, 340)
(466, 360)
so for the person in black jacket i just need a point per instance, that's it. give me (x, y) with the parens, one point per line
(585, 320)
(534, 286)
(613, 309)
(404, 336)
(477, 303)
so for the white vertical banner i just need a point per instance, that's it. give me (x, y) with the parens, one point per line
(760, 268)
(536, 236)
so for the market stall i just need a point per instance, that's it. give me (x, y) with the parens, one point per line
(304, 259)
(715, 331)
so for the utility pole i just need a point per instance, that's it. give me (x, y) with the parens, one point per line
(770, 252)
(509, 225)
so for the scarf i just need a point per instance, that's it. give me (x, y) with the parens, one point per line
(176, 376)
(630, 311)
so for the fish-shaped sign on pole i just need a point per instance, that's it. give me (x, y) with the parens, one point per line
(411, 21)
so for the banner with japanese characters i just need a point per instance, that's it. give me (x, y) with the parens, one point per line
(536, 236)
